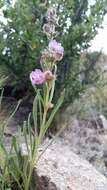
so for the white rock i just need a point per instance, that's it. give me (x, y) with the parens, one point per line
(104, 121)
(60, 169)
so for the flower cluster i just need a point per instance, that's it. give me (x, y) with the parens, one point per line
(56, 50)
(39, 77)
(49, 27)
(53, 53)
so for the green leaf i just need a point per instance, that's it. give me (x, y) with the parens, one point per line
(15, 145)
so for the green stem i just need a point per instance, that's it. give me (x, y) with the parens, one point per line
(32, 163)
(53, 85)
(46, 102)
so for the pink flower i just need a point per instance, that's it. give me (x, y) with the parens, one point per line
(56, 49)
(37, 77)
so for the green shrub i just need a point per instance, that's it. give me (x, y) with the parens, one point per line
(21, 40)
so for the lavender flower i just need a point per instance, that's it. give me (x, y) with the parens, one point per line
(56, 49)
(37, 77)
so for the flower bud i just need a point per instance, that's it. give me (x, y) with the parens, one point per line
(51, 14)
(48, 75)
(49, 29)
(50, 105)
(45, 54)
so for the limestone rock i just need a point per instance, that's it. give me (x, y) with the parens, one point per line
(61, 169)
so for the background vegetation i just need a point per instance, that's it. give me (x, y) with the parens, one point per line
(22, 40)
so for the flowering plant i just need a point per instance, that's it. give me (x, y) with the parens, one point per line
(22, 157)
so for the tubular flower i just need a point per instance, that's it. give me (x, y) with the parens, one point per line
(37, 77)
(56, 49)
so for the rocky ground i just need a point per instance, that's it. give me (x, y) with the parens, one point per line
(88, 139)
(85, 138)
(61, 169)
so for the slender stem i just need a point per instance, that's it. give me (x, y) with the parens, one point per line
(27, 183)
(46, 104)
(53, 85)
(33, 161)
(34, 157)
